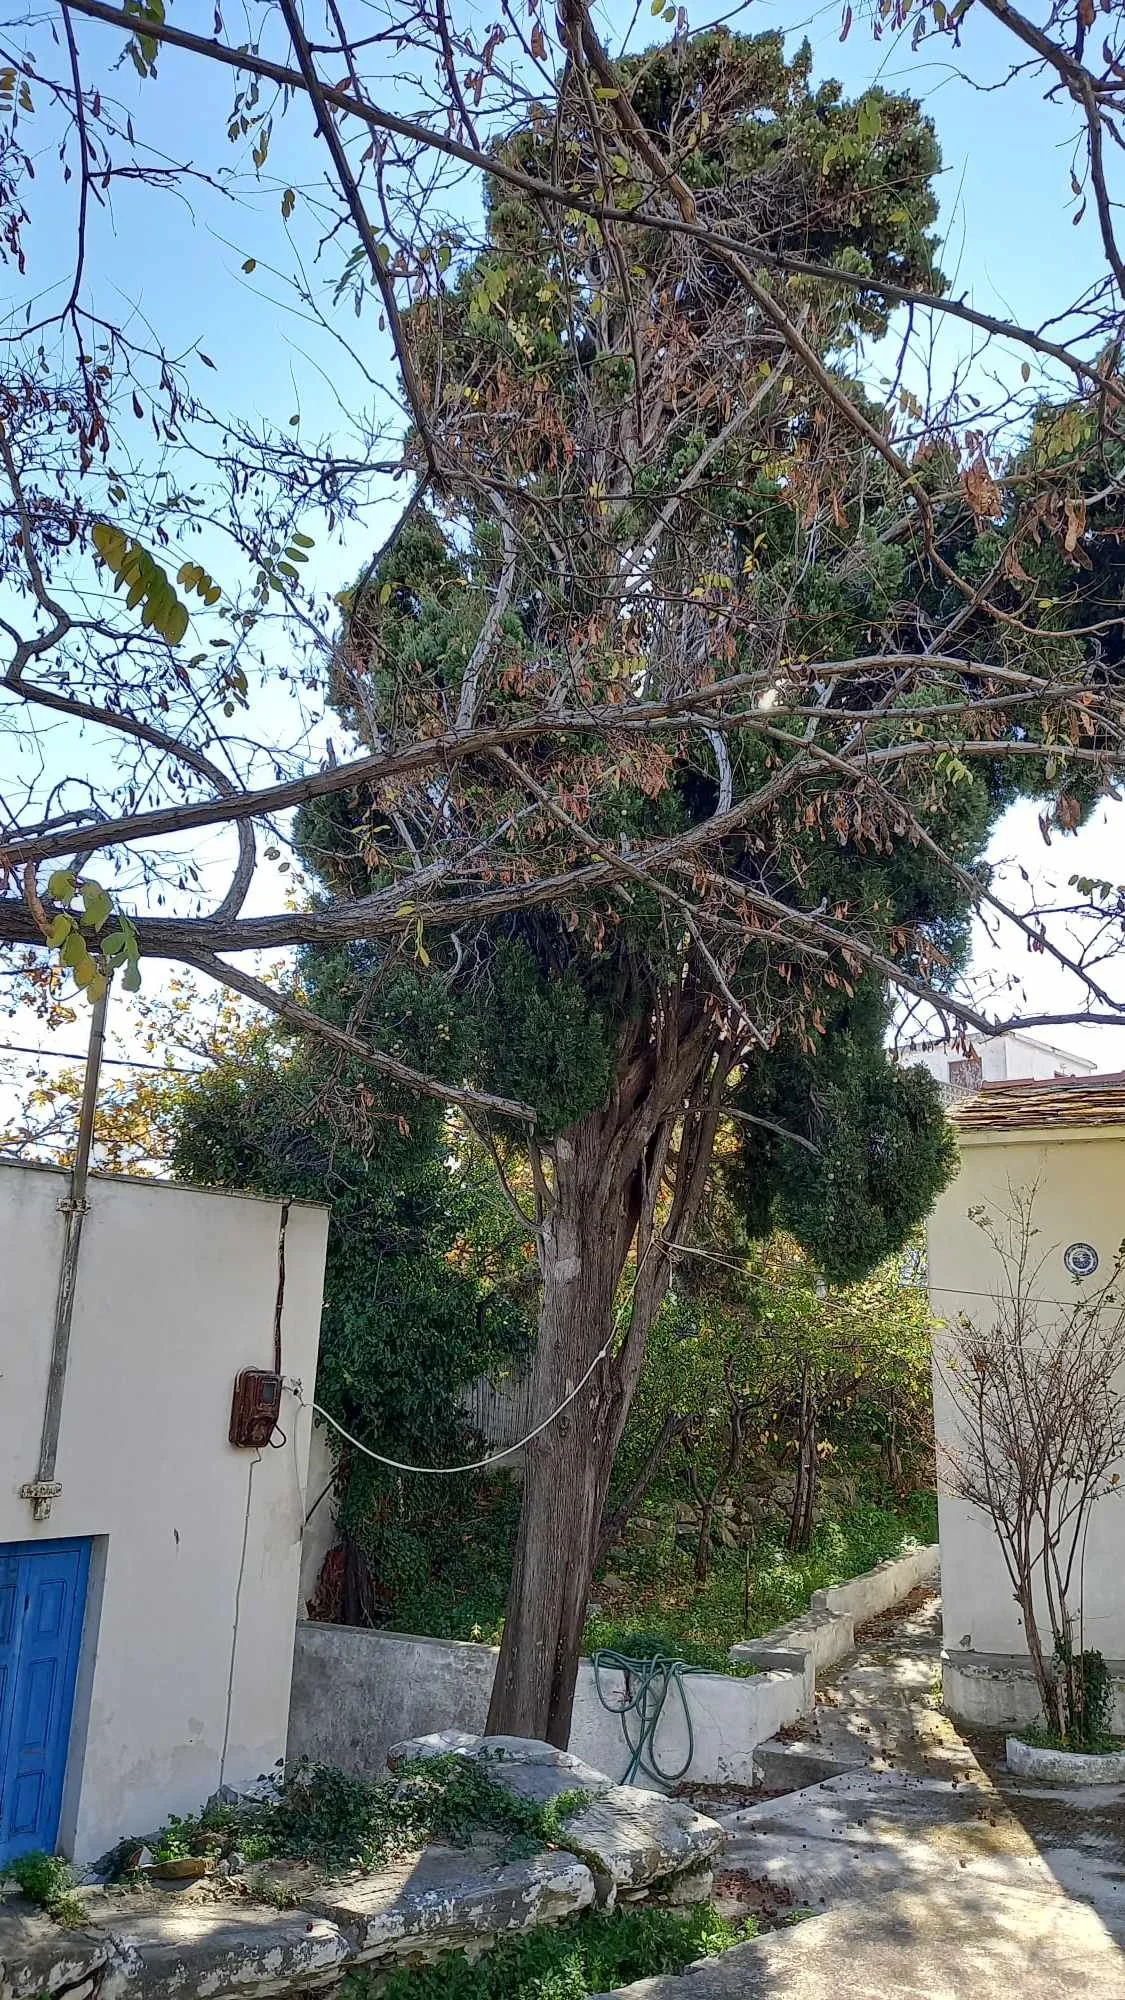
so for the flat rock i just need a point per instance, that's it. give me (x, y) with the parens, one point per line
(219, 1951)
(633, 1839)
(530, 1769)
(935, 1945)
(451, 1897)
(39, 1958)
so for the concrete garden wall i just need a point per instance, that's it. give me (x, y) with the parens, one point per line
(356, 1692)
(998, 1691)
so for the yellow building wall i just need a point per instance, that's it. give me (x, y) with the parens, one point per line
(1080, 1181)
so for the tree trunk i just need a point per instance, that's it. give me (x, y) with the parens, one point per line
(1044, 1677)
(804, 1494)
(568, 1468)
(703, 1543)
(615, 1524)
(609, 1173)
(894, 1456)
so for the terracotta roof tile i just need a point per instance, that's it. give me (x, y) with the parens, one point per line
(1059, 1100)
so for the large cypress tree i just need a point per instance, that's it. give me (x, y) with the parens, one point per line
(652, 497)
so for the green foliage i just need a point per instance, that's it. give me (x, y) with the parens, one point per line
(87, 946)
(745, 1327)
(591, 1954)
(648, 1595)
(176, 1839)
(1087, 1698)
(49, 1881)
(545, 1039)
(747, 1593)
(885, 1151)
(441, 1560)
(137, 572)
(321, 1815)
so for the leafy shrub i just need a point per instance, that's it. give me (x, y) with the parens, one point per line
(1086, 1702)
(49, 1881)
(322, 1815)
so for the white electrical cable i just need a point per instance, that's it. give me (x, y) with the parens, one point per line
(477, 1464)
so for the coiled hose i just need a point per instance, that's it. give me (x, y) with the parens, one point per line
(648, 1684)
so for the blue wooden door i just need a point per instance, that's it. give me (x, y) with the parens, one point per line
(42, 1602)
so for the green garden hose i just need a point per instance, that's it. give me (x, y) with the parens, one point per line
(648, 1683)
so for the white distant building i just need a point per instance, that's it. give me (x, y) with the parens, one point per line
(1062, 1144)
(961, 1068)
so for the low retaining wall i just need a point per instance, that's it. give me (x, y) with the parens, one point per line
(998, 1691)
(356, 1692)
(817, 1640)
(880, 1588)
(826, 1632)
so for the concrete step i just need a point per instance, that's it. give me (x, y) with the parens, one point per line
(785, 1766)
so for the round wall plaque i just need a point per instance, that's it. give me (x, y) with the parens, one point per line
(1081, 1260)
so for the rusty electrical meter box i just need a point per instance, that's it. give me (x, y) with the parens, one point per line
(256, 1407)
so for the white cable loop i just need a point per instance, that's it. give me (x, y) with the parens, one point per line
(477, 1464)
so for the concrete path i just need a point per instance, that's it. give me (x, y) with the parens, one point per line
(880, 1711)
(931, 1875)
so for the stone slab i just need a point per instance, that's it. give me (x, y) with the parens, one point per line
(856, 1834)
(946, 1943)
(530, 1769)
(633, 1839)
(38, 1958)
(877, 1714)
(220, 1951)
(450, 1898)
(878, 1589)
(823, 1636)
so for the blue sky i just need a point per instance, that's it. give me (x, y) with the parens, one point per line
(175, 260)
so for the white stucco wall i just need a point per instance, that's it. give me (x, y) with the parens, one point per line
(356, 1693)
(1081, 1198)
(1005, 1057)
(188, 1645)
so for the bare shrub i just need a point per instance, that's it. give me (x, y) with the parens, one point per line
(1042, 1426)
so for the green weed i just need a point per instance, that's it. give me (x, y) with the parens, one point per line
(49, 1881)
(590, 1954)
(323, 1816)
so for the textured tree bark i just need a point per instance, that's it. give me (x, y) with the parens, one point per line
(609, 1174)
(803, 1510)
(615, 1524)
(567, 1470)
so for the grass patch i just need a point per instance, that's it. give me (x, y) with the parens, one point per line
(655, 1587)
(665, 1645)
(1038, 1737)
(49, 1881)
(323, 1816)
(590, 1954)
(649, 1591)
